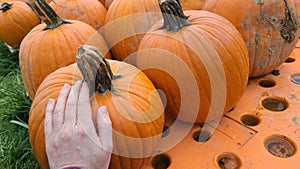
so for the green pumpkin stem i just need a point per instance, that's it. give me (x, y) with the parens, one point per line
(4, 6)
(174, 18)
(46, 14)
(95, 70)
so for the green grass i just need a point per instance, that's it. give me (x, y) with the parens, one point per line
(15, 150)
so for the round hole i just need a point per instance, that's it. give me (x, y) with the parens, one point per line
(280, 146)
(201, 136)
(267, 83)
(249, 120)
(276, 72)
(166, 131)
(295, 78)
(161, 161)
(290, 60)
(275, 104)
(228, 161)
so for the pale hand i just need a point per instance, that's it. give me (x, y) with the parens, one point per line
(71, 137)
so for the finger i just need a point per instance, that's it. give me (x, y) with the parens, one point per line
(104, 129)
(84, 107)
(48, 118)
(71, 107)
(58, 116)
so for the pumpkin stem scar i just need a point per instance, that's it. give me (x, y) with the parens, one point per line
(95, 70)
(4, 6)
(47, 14)
(174, 18)
(289, 25)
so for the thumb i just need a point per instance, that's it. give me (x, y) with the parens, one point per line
(104, 129)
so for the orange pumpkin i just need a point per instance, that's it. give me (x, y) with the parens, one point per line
(91, 12)
(199, 63)
(192, 4)
(53, 45)
(134, 106)
(16, 20)
(269, 28)
(126, 23)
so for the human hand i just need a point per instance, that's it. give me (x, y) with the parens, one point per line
(70, 134)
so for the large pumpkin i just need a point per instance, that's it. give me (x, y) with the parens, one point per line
(270, 29)
(126, 23)
(134, 106)
(53, 45)
(16, 20)
(209, 48)
(91, 12)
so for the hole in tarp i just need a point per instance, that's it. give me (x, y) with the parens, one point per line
(295, 78)
(275, 104)
(280, 146)
(201, 136)
(290, 60)
(250, 120)
(267, 83)
(161, 161)
(228, 161)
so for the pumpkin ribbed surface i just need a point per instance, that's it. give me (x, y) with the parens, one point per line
(213, 37)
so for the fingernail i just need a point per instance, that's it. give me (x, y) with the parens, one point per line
(51, 101)
(66, 86)
(78, 82)
(103, 109)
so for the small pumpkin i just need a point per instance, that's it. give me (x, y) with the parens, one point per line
(134, 106)
(126, 23)
(269, 28)
(53, 45)
(16, 20)
(91, 12)
(203, 46)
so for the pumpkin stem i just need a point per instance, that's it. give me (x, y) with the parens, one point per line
(174, 18)
(289, 25)
(4, 6)
(95, 70)
(46, 14)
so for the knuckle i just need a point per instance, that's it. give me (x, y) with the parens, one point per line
(81, 131)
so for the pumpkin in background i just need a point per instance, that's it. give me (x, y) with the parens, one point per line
(134, 106)
(269, 28)
(53, 45)
(192, 4)
(196, 43)
(16, 20)
(126, 23)
(91, 12)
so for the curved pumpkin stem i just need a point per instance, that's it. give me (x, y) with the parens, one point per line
(95, 70)
(46, 14)
(174, 18)
(289, 25)
(4, 6)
